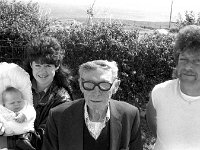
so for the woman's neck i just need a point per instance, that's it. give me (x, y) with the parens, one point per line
(41, 87)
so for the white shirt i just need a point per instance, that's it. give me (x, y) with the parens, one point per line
(178, 120)
(95, 128)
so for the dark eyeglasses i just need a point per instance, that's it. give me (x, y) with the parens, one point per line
(103, 86)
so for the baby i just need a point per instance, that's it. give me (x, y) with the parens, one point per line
(16, 101)
(13, 100)
(15, 113)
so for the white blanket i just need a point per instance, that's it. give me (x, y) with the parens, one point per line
(11, 126)
(13, 75)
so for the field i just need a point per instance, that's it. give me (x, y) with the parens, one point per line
(142, 26)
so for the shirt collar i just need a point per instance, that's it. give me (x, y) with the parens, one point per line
(86, 115)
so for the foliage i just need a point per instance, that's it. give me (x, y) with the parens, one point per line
(147, 138)
(143, 62)
(20, 21)
(153, 62)
(188, 19)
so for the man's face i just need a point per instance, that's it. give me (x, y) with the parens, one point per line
(98, 99)
(13, 101)
(43, 73)
(189, 67)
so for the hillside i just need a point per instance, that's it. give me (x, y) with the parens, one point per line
(127, 23)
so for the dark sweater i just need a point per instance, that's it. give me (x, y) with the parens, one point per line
(101, 143)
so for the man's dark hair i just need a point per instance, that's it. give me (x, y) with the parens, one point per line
(188, 38)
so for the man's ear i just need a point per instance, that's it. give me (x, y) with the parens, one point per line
(80, 85)
(116, 85)
(31, 64)
(58, 67)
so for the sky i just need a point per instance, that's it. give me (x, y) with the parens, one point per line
(147, 10)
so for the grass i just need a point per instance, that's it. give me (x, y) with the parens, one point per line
(147, 138)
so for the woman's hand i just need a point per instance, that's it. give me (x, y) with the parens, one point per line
(2, 129)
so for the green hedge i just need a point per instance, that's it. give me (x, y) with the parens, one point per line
(21, 21)
(142, 61)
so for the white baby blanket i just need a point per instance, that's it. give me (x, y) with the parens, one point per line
(13, 75)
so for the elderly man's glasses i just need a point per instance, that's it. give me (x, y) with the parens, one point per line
(103, 86)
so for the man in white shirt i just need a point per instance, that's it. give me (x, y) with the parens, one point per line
(172, 112)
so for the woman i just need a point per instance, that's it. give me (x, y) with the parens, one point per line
(50, 85)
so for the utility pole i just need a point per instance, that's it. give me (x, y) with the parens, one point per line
(170, 15)
(90, 13)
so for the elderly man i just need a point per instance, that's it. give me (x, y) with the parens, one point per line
(174, 108)
(96, 122)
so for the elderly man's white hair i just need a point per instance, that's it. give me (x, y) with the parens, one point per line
(103, 64)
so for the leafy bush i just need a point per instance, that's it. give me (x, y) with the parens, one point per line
(20, 21)
(153, 62)
(143, 62)
(188, 19)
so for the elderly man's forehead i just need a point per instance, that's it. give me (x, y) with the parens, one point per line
(98, 75)
(102, 70)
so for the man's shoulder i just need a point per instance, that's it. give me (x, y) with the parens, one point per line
(167, 84)
(124, 106)
(67, 105)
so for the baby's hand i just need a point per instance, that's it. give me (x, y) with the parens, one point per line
(20, 118)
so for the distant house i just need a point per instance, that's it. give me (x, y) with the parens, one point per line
(69, 22)
(56, 27)
(64, 24)
(162, 31)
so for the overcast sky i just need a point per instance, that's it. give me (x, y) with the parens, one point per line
(157, 9)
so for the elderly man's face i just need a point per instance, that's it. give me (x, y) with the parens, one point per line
(189, 67)
(98, 87)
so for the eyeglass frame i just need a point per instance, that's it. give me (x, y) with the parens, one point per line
(96, 84)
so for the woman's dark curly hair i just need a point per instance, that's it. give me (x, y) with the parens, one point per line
(188, 38)
(47, 50)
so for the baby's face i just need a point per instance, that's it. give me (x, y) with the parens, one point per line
(13, 101)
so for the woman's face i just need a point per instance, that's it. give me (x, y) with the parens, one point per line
(43, 73)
